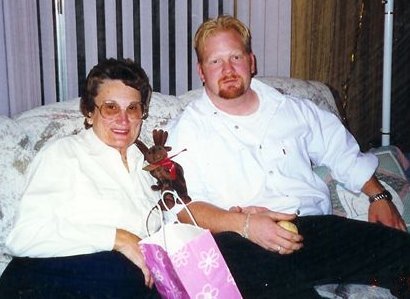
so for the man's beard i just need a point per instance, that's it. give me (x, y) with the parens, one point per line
(231, 91)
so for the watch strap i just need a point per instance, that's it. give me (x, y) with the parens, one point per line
(385, 195)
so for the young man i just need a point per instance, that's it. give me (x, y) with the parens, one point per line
(248, 166)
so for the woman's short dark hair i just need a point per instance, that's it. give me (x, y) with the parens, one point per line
(125, 70)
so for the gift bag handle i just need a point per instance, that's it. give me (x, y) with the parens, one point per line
(176, 199)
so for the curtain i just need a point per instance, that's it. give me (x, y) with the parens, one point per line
(340, 42)
(4, 96)
(19, 30)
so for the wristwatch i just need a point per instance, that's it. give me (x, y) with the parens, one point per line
(385, 195)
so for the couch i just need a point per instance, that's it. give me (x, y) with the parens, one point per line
(23, 135)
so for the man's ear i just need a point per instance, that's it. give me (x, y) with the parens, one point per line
(253, 63)
(200, 72)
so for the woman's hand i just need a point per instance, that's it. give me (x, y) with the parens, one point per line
(127, 244)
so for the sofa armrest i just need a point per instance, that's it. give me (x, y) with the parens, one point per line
(389, 172)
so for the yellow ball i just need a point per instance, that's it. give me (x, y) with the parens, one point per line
(288, 226)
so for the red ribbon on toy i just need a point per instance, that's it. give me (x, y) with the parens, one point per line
(167, 163)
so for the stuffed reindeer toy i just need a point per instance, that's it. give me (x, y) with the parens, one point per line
(169, 174)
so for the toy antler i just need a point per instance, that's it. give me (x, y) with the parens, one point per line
(160, 138)
(142, 147)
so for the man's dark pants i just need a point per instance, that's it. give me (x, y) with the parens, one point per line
(335, 250)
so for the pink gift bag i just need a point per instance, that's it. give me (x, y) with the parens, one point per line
(186, 262)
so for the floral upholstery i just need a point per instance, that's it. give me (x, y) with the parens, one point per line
(52, 121)
(316, 91)
(16, 154)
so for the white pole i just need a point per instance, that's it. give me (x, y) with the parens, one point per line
(387, 63)
(61, 51)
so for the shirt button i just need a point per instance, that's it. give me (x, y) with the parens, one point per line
(236, 127)
(271, 172)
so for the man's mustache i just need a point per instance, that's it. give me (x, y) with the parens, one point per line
(229, 77)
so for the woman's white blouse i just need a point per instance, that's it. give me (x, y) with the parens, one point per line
(78, 193)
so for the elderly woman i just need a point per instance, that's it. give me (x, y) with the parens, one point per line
(87, 200)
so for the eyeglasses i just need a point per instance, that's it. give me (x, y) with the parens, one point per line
(111, 110)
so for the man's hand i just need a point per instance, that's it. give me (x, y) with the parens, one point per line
(127, 244)
(259, 223)
(248, 210)
(385, 212)
(264, 231)
(382, 211)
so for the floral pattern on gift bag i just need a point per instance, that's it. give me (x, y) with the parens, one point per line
(196, 269)
(203, 270)
(166, 279)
